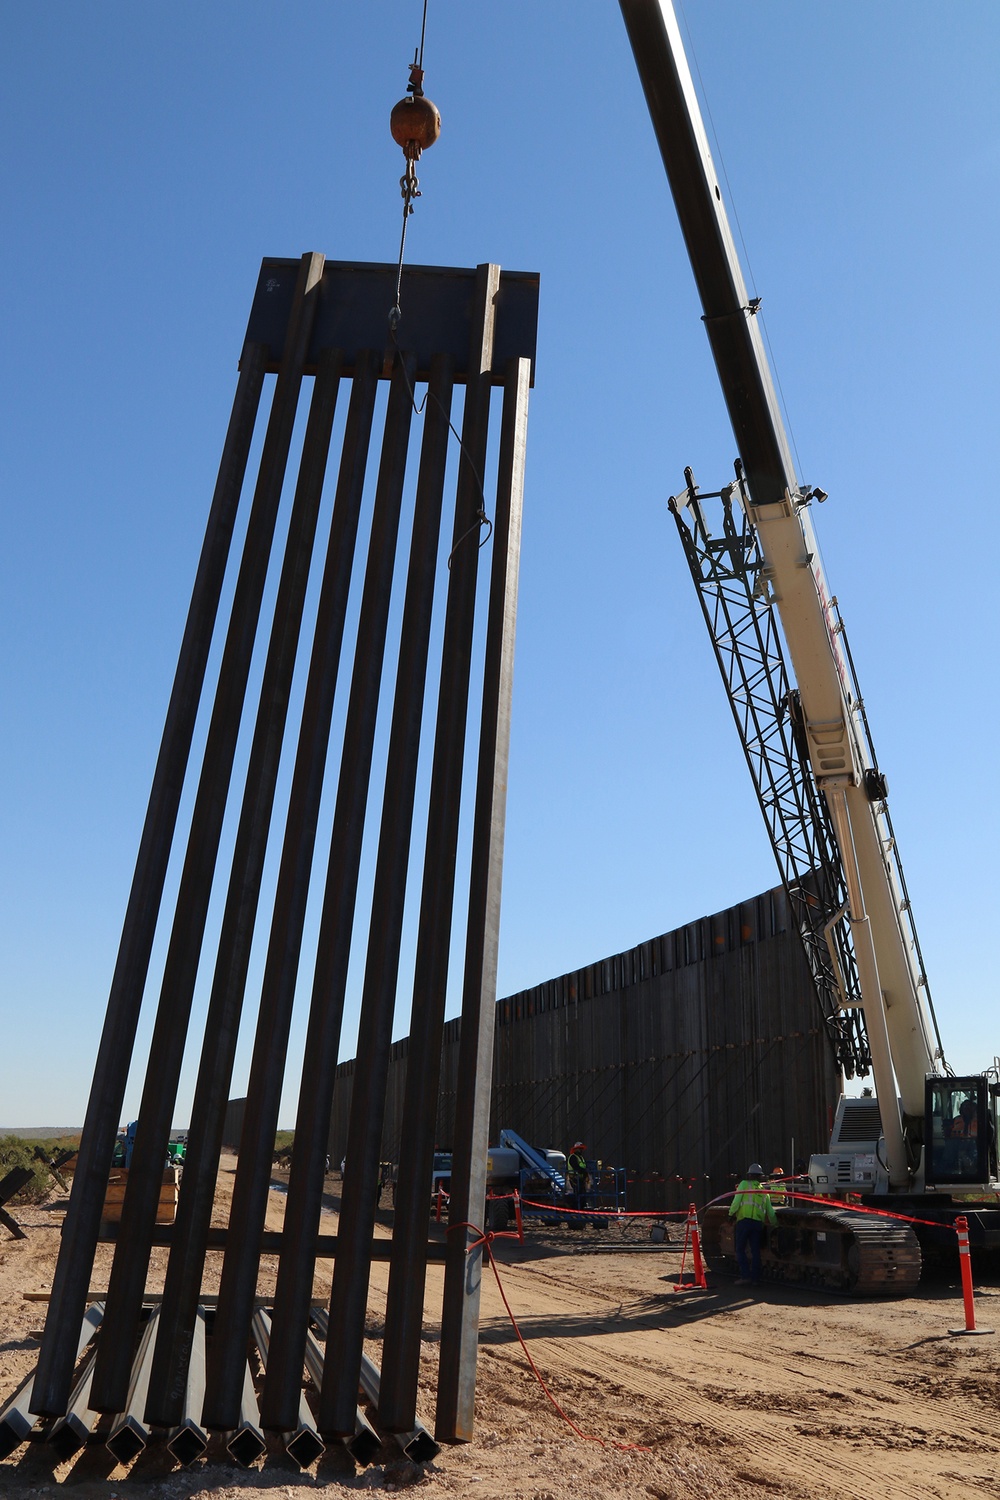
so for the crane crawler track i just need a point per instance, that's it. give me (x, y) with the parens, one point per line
(832, 1249)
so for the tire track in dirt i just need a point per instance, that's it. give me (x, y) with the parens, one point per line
(797, 1414)
(761, 1423)
(748, 1442)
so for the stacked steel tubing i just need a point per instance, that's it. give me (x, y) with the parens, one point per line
(16, 1417)
(302, 1440)
(305, 1187)
(351, 1270)
(417, 1442)
(184, 1271)
(239, 1271)
(187, 1439)
(129, 1433)
(460, 1314)
(83, 1218)
(128, 1276)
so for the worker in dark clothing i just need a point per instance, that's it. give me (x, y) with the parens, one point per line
(752, 1209)
(965, 1126)
(964, 1133)
(578, 1176)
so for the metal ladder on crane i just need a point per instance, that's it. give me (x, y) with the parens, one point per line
(729, 575)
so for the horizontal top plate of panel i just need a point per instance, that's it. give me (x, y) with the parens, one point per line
(436, 303)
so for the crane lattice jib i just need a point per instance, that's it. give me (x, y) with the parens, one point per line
(728, 572)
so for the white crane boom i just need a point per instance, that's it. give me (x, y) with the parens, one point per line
(899, 1030)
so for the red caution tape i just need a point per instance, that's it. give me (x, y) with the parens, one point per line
(878, 1213)
(617, 1215)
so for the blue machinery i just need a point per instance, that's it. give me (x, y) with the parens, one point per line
(608, 1191)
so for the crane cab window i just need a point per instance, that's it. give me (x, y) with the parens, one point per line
(961, 1131)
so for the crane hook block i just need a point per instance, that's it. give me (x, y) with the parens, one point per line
(415, 124)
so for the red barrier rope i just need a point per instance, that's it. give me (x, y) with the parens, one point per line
(619, 1215)
(615, 1214)
(840, 1205)
(486, 1238)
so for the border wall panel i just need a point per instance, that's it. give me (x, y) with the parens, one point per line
(681, 1059)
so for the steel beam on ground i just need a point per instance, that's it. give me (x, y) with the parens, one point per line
(404, 1306)
(247, 1441)
(239, 1272)
(239, 916)
(180, 972)
(293, 1292)
(104, 1109)
(188, 1440)
(300, 1437)
(129, 1433)
(416, 1443)
(72, 1430)
(463, 1270)
(365, 1442)
(16, 1418)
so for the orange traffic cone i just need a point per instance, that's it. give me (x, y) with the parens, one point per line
(692, 1237)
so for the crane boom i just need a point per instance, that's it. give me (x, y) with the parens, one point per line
(899, 1030)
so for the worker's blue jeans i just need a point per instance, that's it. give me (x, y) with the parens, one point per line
(749, 1234)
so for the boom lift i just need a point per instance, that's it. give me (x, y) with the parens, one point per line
(928, 1141)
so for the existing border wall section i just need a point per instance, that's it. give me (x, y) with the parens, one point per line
(682, 1059)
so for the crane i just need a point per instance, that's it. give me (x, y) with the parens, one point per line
(927, 1138)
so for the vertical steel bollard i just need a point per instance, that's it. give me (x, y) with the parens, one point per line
(965, 1262)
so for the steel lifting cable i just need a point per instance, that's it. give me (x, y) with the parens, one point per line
(415, 123)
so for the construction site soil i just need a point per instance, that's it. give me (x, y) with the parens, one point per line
(735, 1391)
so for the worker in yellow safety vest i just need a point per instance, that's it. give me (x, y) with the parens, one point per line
(777, 1187)
(579, 1179)
(752, 1209)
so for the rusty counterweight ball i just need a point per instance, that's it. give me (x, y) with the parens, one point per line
(415, 123)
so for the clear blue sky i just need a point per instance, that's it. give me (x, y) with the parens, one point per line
(154, 154)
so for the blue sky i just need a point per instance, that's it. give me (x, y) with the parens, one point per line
(155, 153)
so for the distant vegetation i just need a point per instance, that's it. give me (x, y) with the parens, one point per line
(19, 1151)
(283, 1148)
(51, 1144)
(16, 1151)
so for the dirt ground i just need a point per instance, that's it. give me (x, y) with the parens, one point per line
(724, 1392)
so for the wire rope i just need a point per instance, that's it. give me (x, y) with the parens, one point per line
(409, 186)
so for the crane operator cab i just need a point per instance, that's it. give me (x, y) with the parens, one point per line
(960, 1145)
